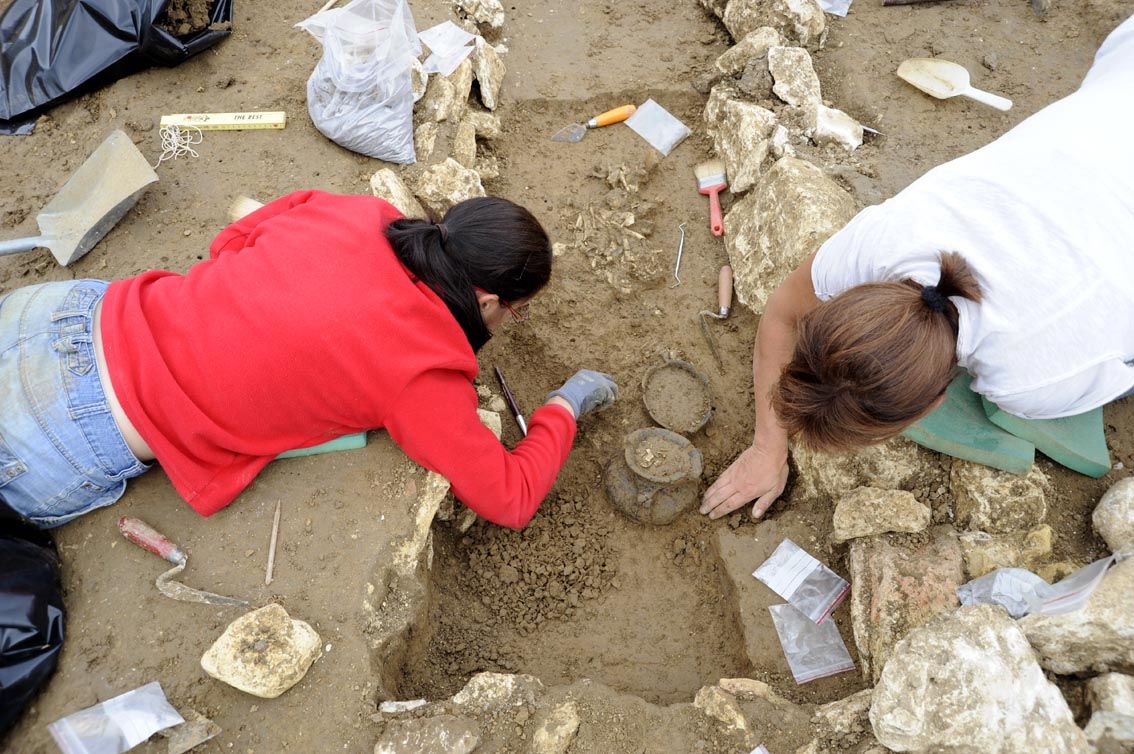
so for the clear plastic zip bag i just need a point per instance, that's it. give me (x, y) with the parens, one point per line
(116, 725)
(813, 650)
(803, 581)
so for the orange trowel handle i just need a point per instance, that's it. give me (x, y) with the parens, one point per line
(610, 117)
(144, 535)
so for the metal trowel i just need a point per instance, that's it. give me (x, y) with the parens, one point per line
(576, 131)
(724, 306)
(146, 537)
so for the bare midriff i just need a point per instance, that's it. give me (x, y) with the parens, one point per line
(134, 440)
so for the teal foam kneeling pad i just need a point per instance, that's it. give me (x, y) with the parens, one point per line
(346, 442)
(960, 428)
(1077, 442)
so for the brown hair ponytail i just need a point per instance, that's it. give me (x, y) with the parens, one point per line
(872, 360)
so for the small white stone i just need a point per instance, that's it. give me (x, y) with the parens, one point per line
(264, 652)
(833, 126)
(1113, 518)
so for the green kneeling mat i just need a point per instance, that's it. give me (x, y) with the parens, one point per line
(1077, 442)
(960, 428)
(346, 442)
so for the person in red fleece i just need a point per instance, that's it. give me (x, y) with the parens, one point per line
(315, 316)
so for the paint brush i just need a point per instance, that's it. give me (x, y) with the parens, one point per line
(711, 181)
(511, 399)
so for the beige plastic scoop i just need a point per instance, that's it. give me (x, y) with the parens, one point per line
(944, 79)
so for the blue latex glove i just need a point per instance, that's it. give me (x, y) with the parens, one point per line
(588, 390)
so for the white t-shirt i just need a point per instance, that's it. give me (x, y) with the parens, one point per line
(1044, 216)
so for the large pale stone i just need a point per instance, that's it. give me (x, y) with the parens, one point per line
(1114, 515)
(464, 144)
(385, 184)
(831, 126)
(263, 652)
(985, 552)
(968, 682)
(796, 81)
(489, 13)
(843, 724)
(419, 79)
(492, 691)
(443, 734)
(894, 464)
(896, 588)
(741, 139)
(439, 100)
(1099, 637)
(461, 79)
(441, 186)
(801, 21)
(868, 510)
(773, 229)
(425, 140)
(754, 45)
(489, 71)
(556, 733)
(995, 501)
(1111, 727)
(486, 125)
(716, 7)
(721, 706)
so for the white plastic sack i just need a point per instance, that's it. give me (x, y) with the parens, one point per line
(360, 94)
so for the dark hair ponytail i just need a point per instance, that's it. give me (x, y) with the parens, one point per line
(873, 359)
(486, 242)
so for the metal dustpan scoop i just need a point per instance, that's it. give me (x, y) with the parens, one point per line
(944, 79)
(91, 202)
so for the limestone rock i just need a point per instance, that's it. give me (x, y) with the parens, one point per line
(1097, 638)
(985, 552)
(424, 140)
(831, 126)
(486, 125)
(490, 13)
(444, 734)
(1111, 727)
(896, 588)
(894, 464)
(996, 501)
(492, 691)
(756, 81)
(419, 79)
(844, 723)
(801, 21)
(773, 229)
(741, 139)
(441, 186)
(439, 100)
(489, 71)
(780, 143)
(1114, 515)
(755, 44)
(555, 734)
(868, 510)
(749, 689)
(464, 144)
(714, 106)
(716, 7)
(263, 652)
(721, 706)
(488, 167)
(969, 682)
(385, 184)
(796, 81)
(461, 79)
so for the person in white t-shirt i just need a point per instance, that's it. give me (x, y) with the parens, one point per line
(1015, 262)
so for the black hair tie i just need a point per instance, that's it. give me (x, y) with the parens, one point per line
(443, 231)
(934, 299)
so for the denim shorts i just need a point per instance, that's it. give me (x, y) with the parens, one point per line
(61, 452)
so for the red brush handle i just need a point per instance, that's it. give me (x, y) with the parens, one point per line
(145, 536)
(716, 223)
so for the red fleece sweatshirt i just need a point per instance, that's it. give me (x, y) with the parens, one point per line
(301, 327)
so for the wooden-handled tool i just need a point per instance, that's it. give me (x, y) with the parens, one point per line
(724, 306)
(576, 131)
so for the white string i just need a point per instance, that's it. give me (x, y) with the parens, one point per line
(177, 142)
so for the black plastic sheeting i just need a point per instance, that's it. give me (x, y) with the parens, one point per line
(31, 614)
(51, 49)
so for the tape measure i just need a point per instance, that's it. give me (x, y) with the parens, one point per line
(227, 121)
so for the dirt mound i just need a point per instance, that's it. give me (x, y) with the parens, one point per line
(184, 17)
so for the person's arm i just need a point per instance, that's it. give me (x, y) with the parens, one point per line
(233, 237)
(436, 424)
(760, 472)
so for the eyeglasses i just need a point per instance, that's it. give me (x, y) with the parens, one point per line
(522, 314)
